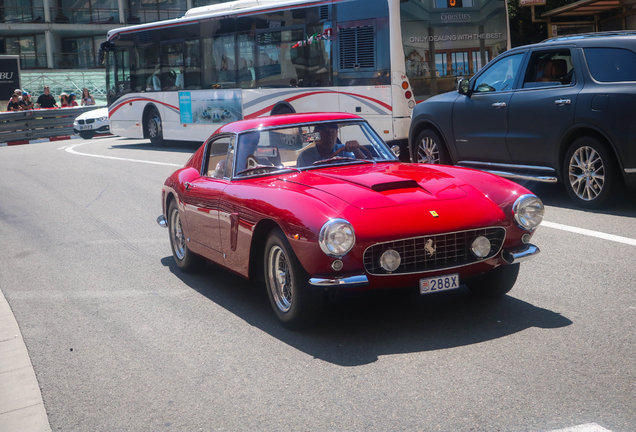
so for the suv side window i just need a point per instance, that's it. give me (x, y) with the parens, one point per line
(500, 76)
(549, 69)
(611, 64)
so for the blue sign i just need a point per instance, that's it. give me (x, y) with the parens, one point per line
(185, 107)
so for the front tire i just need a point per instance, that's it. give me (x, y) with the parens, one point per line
(429, 148)
(296, 304)
(87, 135)
(588, 172)
(154, 128)
(495, 283)
(186, 260)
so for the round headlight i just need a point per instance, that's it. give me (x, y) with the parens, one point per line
(481, 247)
(390, 260)
(336, 237)
(528, 211)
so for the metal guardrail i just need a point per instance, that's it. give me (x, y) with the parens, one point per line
(39, 123)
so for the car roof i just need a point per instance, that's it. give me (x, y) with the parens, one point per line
(283, 120)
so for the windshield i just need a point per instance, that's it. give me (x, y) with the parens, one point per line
(308, 147)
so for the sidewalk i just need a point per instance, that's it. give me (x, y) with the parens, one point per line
(21, 405)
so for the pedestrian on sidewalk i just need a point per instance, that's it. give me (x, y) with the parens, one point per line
(46, 100)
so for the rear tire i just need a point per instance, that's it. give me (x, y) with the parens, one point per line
(186, 260)
(296, 304)
(154, 127)
(589, 173)
(429, 148)
(495, 283)
(87, 135)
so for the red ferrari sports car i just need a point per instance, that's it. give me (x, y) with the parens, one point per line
(316, 202)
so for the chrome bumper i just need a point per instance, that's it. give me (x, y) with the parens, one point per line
(515, 256)
(343, 282)
(161, 220)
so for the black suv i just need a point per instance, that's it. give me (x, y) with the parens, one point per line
(561, 110)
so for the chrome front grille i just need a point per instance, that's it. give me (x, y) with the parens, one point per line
(81, 121)
(90, 120)
(435, 252)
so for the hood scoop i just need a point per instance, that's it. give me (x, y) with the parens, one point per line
(389, 186)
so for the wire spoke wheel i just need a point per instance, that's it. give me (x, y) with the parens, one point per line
(586, 173)
(176, 234)
(280, 280)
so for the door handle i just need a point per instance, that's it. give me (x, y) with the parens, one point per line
(188, 185)
(499, 104)
(562, 102)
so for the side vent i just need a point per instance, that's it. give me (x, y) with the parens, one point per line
(145, 37)
(357, 47)
(324, 13)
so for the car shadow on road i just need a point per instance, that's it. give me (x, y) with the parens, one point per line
(356, 330)
(169, 146)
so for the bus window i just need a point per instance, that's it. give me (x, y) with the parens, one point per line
(191, 77)
(245, 42)
(171, 65)
(275, 67)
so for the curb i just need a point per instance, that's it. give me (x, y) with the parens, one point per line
(21, 405)
(40, 140)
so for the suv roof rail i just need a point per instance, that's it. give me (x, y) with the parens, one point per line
(592, 35)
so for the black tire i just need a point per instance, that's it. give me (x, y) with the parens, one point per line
(186, 260)
(87, 135)
(296, 304)
(429, 148)
(495, 283)
(589, 172)
(154, 127)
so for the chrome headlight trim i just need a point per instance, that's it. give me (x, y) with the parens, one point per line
(528, 211)
(337, 237)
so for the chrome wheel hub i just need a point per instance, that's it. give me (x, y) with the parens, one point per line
(586, 173)
(279, 278)
(428, 152)
(176, 232)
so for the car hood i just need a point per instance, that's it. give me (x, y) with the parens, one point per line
(383, 185)
(96, 113)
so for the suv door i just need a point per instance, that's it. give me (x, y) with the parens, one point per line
(480, 118)
(542, 109)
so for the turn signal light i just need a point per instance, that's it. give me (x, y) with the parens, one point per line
(405, 85)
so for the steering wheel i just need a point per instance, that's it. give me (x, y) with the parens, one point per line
(251, 162)
(364, 150)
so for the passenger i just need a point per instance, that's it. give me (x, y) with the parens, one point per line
(326, 146)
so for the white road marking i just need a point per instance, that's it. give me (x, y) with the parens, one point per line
(70, 149)
(589, 427)
(597, 234)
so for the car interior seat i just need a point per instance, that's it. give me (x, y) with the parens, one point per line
(554, 70)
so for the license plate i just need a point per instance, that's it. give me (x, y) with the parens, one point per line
(439, 283)
(86, 127)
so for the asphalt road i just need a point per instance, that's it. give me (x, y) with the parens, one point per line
(120, 339)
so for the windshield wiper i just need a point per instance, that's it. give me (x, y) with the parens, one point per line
(342, 159)
(265, 168)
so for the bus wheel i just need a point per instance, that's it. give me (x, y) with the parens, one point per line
(154, 127)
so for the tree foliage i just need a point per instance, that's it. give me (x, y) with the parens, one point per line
(522, 30)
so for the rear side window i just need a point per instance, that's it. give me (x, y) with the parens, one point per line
(611, 64)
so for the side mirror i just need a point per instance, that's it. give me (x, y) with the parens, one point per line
(463, 87)
(396, 150)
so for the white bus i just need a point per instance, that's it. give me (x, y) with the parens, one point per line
(181, 79)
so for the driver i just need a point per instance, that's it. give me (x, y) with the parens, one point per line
(247, 146)
(326, 146)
